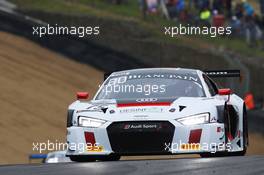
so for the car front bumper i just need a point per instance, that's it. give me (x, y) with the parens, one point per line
(135, 138)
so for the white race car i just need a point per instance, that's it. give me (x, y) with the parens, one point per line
(157, 111)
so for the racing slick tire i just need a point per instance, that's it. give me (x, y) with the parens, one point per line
(82, 158)
(112, 157)
(217, 154)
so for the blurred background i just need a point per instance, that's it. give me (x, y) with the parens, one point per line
(39, 76)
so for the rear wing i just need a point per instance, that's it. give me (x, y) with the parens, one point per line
(106, 75)
(222, 73)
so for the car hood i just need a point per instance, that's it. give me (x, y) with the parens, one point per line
(145, 109)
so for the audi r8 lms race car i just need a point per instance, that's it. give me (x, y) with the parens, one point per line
(156, 111)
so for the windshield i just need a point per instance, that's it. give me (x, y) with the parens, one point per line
(165, 85)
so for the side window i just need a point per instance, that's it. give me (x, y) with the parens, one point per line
(211, 85)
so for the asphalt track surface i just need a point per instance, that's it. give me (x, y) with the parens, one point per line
(217, 166)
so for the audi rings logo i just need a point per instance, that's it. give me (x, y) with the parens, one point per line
(144, 100)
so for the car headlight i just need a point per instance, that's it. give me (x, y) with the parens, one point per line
(195, 119)
(90, 122)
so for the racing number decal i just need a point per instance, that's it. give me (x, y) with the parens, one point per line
(118, 80)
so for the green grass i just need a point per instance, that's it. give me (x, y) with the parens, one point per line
(236, 45)
(92, 7)
(131, 11)
(44, 5)
(117, 9)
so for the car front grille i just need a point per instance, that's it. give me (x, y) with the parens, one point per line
(140, 137)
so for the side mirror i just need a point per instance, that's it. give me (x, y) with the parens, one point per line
(82, 95)
(224, 91)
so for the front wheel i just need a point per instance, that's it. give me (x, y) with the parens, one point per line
(112, 157)
(218, 154)
(82, 159)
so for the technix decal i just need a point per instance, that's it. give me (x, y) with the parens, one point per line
(142, 110)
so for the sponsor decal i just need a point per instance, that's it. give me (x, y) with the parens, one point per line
(172, 110)
(104, 109)
(164, 75)
(112, 111)
(120, 78)
(142, 110)
(94, 109)
(141, 126)
(181, 108)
